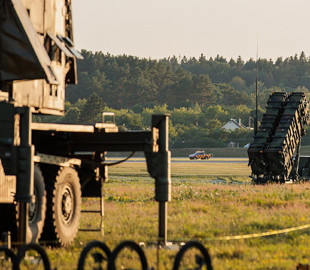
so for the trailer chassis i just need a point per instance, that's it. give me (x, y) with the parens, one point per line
(80, 147)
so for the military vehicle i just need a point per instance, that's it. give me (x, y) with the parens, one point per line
(274, 155)
(45, 169)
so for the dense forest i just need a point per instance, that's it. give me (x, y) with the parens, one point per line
(200, 94)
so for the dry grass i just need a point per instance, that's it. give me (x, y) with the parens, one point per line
(186, 171)
(202, 211)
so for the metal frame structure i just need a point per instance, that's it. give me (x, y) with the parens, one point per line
(37, 60)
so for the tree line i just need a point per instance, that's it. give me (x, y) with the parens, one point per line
(124, 81)
(200, 94)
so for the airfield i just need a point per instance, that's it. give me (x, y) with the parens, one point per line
(187, 160)
(210, 200)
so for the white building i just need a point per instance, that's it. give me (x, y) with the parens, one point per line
(233, 124)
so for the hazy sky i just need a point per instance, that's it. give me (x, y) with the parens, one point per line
(162, 28)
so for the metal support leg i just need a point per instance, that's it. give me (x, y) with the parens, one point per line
(22, 222)
(162, 230)
(104, 177)
(24, 184)
(297, 157)
(159, 167)
(102, 211)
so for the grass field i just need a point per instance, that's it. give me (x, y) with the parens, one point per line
(203, 211)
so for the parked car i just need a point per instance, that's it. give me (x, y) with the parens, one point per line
(200, 155)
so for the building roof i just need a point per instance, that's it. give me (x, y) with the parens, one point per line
(233, 124)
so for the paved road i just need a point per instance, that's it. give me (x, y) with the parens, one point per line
(211, 160)
(186, 160)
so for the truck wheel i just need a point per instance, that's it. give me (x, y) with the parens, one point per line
(37, 209)
(36, 212)
(63, 207)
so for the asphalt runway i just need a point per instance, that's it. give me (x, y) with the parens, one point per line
(186, 160)
(211, 160)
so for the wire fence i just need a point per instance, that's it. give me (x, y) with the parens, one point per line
(108, 257)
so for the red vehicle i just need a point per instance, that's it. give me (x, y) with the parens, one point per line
(199, 155)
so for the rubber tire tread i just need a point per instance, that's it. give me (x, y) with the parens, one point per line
(52, 234)
(38, 224)
(49, 236)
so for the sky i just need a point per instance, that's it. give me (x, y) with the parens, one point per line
(162, 28)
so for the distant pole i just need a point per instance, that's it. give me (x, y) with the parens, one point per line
(256, 93)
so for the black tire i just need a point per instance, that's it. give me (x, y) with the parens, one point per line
(37, 210)
(23, 249)
(132, 245)
(9, 223)
(36, 216)
(63, 205)
(193, 244)
(87, 249)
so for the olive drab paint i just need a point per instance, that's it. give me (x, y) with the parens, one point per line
(271, 154)
(37, 61)
(37, 54)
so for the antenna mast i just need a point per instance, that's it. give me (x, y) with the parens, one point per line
(256, 93)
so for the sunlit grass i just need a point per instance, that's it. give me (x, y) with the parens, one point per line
(188, 171)
(202, 211)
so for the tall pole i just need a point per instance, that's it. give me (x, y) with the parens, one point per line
(163, 183)
(160, 168)
(256, 94)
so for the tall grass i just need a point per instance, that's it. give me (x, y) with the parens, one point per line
(203, 211)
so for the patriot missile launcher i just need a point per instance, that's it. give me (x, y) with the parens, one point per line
(275, 152)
